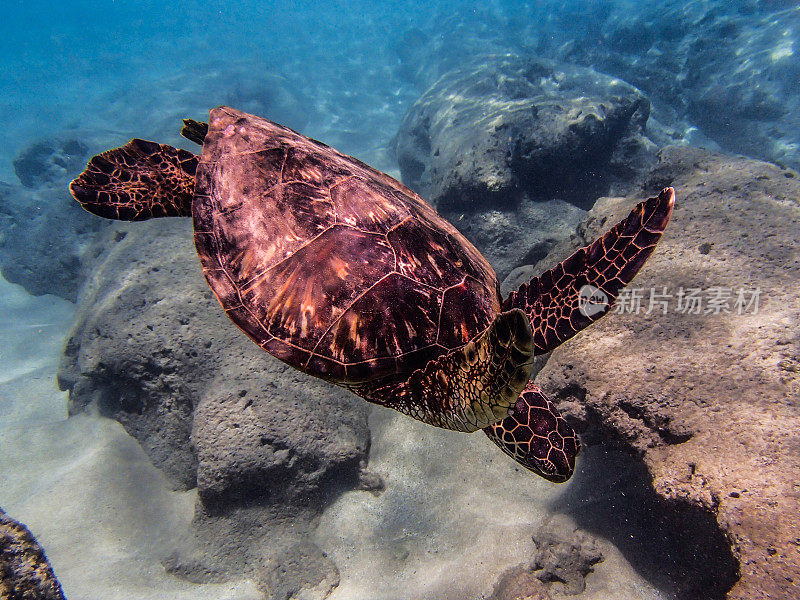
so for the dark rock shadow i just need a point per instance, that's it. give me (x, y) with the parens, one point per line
(679, 548)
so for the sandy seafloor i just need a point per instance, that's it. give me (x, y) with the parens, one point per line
(449, 515)
(83, 486)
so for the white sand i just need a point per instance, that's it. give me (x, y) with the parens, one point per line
(456, 513)
(102, 512)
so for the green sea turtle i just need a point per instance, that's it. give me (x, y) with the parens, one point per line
(346, 274)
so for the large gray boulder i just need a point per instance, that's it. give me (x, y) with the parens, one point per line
(707, 395)
(43, 233)
(152, 348)
(504, 128)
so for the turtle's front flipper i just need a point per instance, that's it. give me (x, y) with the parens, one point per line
(471, 387)
(537, 436)
(141, 180)
(583, 288)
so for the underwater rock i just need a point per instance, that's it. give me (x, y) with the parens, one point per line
(302, 568)
(708, 397)
(513, 150)
(42, 235)
(132, 352)
(507, 128)
(271, 545)
(50, 162)
(25, 573)
(152, 348)
(509, 237)
(729, 68)
(270, 434)
(181, 356)
(564, 557)
(519, 583)
(565, 560)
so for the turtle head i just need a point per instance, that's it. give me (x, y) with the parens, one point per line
(537, 436)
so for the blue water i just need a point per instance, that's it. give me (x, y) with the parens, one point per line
(108, 64)
(720, 74)
(73, 64)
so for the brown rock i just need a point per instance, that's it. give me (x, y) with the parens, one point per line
(25, 573)
(565, 559)
(519, 583)
(710, 401)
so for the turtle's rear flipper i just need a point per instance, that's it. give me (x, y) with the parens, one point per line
(537, 436)
(139, 181)
(583, 288)
(195, 131)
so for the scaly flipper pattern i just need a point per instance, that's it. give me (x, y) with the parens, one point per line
(141, 180)
(537, 436)
(583, 288)
(468, 388)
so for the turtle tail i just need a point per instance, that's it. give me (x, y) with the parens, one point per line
(141, 180)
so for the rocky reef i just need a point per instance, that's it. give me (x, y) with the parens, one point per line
(718, 73)
(727, 68)
(715, 73)
(709, 412)
(706, 405)
(513, 118)
(696, 373)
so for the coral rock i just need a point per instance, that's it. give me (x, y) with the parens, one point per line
(25, 573)
(708, 397)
